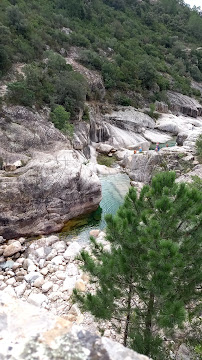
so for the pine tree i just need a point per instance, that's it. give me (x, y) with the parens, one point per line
(148, 283)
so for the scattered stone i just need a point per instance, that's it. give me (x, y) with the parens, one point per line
(20, 289)
(72, 251)
(60, 275)
(40, 252)
(12, 249)
(47, 286)
(37, 299)
(11, 281)
(69, 283)
(2, 240)
(71, 269)
(52, 254)
(59, 246)
(58, 260)
(32, 276)
(39, 282)
(32, 268)
(44, 271)
(7, 264)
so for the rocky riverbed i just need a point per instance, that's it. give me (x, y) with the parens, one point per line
(44, 273)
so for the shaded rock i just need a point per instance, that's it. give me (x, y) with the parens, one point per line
(7, 264)
(51, 190)
(12, 249)
(181, 137)
(140, 167)
(104, 148)
(183, 353)
(184, 104)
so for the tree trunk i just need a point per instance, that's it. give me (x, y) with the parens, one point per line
(148, 325)
(128, 313)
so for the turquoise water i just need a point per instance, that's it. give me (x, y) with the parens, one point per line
(114, 189)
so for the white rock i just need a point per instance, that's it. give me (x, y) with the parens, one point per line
(59, 246)
(12, 249)
(71, 270)
(47, 286)
(11, 281)
(51, 255)
(37, 299)
(44, 271)
(40, 252)
(50, 240)
(39, 282)
(32, 268)
(60, 275)
(41, 263)
(9, 290)
(72, 251)
(55, 296)
(20, 289)
(1, 277)
(69, 283)
(58, 260)
(16, 266)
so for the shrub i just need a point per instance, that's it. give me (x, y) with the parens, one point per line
(60, 118)
(199, 147)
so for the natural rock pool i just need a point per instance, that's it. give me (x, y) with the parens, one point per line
(114, 189)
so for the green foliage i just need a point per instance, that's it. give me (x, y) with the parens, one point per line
(60, 118)
(148, 283)
(199, 147)
(105, 160)
(53, 82)
(138, 47)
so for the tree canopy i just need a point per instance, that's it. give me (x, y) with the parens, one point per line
(148, 283)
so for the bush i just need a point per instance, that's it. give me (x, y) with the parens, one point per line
(18, 93)
(199, 147)
(105, 160)
(60, 118)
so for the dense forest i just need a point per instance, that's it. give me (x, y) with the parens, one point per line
(141, 48)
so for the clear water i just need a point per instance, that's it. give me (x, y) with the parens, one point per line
(114, 189)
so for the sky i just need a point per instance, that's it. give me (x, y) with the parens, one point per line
(194, 2)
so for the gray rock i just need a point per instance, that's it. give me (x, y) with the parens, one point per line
(32, 276)
(184, 104)
(183, 353)
(7, 264)
(140, 167)
(181, 137)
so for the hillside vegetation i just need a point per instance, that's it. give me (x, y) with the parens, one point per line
(141, 49)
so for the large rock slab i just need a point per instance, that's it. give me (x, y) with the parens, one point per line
(130, 119)
(184, 104)
(140, 167)
(28, 332)
(51, 189)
